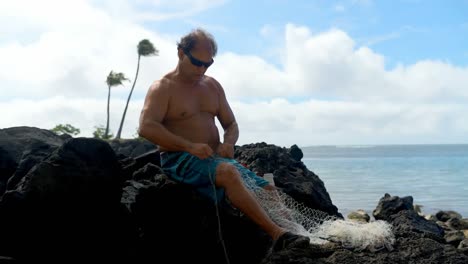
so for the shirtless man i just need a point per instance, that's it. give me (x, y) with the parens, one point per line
(179, 116)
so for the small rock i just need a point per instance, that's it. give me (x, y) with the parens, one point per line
(457, 224)
(390, 205)
(444, 226)
(444, 216)
(454, 237)
(359, 216)
(410, 221)
(296, 153)
(463, 244)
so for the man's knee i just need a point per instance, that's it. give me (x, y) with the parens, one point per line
(227, 174)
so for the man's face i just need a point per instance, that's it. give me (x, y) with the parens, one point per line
(197, 61)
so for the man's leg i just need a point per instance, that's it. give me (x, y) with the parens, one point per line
(229, 178)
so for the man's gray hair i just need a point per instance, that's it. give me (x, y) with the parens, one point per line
(189, 41)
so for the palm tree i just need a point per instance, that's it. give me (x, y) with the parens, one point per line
(145, 48)
(113, 79)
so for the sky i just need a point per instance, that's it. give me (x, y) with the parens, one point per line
(316, 72)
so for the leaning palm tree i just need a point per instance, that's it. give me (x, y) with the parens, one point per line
(113, 79)
(145, 48)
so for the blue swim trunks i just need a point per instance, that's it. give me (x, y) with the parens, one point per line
(186, 168)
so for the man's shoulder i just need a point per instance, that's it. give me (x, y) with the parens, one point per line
(210, 79)
(213, 82)
(161, 84)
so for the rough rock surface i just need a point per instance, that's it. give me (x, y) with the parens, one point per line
(389, 205)
(289, 174)
(76, 200)
(444, 216)
(131, 147)
(418, 240)
(24, 146)
(67, 207)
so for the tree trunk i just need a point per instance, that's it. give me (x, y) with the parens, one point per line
(128, 100)
(108, 116)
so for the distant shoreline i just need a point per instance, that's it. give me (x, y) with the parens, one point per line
(383, 145)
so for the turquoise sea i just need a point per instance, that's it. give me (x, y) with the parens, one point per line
(356, 177)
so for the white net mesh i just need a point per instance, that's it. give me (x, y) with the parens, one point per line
(319, 226)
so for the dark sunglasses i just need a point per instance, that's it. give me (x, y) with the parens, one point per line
(197, 62)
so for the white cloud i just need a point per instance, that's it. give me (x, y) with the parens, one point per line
(83, 113)
(278, 121)
(331, 65)
(74, 58)
(56, 75)
(316, 122)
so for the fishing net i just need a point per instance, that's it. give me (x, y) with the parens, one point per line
(319, 226)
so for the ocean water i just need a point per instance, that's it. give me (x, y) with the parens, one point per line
(356, 177)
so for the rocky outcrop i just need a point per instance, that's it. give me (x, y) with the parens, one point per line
(457, 223)
(390, 205)
(444, 216)
(67, 207)
(74, 200)
(289, 174)
(97, 199)
(23, 147)
(409, 223)
(172, 216)
(418, 241)
(407, 250)
(455, 227)
(131, 147)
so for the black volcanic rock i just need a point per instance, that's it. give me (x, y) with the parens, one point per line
(418, 241)
(446, 215)
(289, 174)
(389, 205)
(172, 216)
(409, 221)
(296, 153)
(72, 198)
(17, 144)
(36, 153)
(131, 147)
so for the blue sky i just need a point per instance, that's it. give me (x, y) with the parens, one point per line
(351, 72)
(405, 31)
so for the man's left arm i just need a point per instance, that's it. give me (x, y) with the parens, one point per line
(228, 122)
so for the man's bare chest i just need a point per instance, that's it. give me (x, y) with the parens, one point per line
(187, 103)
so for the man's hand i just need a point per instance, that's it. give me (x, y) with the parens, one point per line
(226, 150)
(200, 150)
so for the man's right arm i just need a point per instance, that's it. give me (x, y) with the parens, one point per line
(154, 111)
(151, 117)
